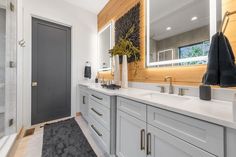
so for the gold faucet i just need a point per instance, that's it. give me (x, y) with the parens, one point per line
(171, 88)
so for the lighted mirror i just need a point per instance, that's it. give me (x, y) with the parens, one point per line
(179, 31)
(105, 43)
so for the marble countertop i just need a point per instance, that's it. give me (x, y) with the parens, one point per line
(214, 111)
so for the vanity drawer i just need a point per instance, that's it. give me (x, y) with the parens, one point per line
(100, 113)
(204, 135)
(100, 98)
(132, 108)
(100, 133)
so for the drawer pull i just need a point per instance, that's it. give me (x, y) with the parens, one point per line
(96, 112)
(97, 132)
(142, 139)
(97, 97)
(149, 143)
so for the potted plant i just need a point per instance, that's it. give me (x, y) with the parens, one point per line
(125, 46)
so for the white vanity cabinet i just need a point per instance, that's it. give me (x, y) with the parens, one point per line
(162, 144)
(84, 101)
(143, 130)
(130, 136)
(102, 119)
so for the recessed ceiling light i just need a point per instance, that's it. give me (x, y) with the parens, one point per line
(194, 18)
(168, 28)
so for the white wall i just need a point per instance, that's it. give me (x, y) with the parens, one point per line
(2, 3)
(84, 44)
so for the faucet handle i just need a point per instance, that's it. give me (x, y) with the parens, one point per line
(162, 89)
(181, 91)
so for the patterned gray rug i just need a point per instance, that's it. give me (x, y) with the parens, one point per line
(65, 139)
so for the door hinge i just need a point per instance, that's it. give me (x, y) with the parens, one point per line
(12, 64)
(10, 123)
(12, 7)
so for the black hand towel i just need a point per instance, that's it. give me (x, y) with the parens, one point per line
(211, 77)
(226, 63)
(87, 72)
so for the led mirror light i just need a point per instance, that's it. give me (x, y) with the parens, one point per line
(168, 28)
(194, 18)
(172, 29)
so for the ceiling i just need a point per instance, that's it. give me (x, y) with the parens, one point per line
(94, 6)
(177, 14)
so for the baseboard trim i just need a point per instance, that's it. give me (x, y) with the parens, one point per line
(78, 114)
(16, 142)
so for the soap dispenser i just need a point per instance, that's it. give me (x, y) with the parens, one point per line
(205, 92)
(234, 107)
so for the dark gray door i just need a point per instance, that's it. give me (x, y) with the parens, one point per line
(51, 71)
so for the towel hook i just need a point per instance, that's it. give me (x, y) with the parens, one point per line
(226, 16)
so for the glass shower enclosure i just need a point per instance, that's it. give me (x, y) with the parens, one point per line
(7, 68)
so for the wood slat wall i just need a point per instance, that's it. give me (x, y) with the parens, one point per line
(190, 75)
(230, 5)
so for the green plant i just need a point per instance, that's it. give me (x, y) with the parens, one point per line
(124, 46)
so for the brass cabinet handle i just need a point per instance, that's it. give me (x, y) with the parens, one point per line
(149, 144)
(95, 129)
(142, 139)
(97, 97)
(96, 112)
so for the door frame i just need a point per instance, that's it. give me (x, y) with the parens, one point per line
(27, 63)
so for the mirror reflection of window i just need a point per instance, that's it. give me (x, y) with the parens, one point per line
(195, 50)
(182, 26)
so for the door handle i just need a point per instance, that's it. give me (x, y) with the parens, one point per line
(142, 139)
(34, 84)
(149, 144)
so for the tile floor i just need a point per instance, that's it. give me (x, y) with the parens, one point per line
(31, 146)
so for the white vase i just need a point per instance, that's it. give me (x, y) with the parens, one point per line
(124, 72)
(117, 70)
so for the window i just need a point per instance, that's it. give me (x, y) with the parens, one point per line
(195, 50)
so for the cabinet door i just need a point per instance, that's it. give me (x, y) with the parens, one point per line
(162, 144)
(130, 136)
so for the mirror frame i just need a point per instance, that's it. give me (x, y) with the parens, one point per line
(213, 29)
(112, 43)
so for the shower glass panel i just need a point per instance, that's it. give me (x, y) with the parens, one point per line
(7, 67)
(2, 68)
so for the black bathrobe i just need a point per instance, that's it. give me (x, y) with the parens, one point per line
(221, 69)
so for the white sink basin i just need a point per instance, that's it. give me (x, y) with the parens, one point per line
(165, 98)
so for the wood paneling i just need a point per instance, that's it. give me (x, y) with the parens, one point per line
(191, 75)
(230, 5)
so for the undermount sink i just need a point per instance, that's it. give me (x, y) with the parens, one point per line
(165, 98)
